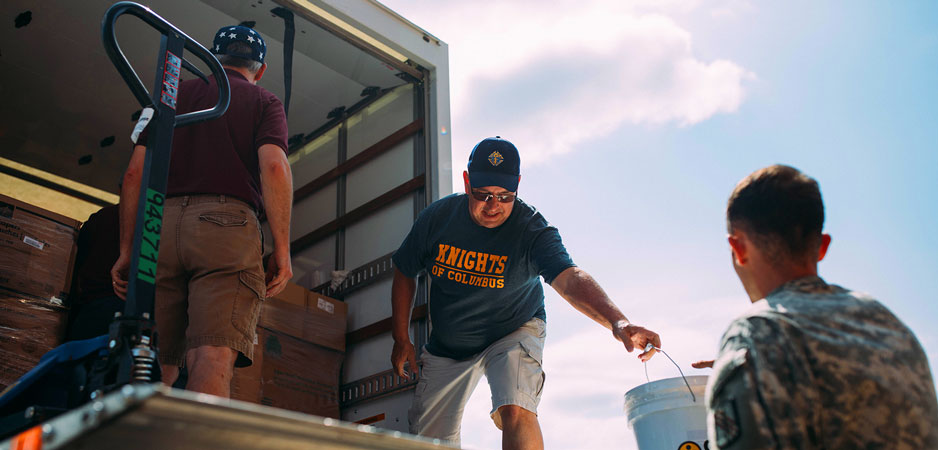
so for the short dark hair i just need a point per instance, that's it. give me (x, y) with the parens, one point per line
(236, 61)
(781, 209)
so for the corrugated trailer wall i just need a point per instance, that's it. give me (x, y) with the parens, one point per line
(369, 174)
(381, 235)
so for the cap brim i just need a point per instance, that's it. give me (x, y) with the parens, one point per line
(504, 180)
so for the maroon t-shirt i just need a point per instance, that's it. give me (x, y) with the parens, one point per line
(220, 156)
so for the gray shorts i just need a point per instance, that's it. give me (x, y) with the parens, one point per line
(512, 366)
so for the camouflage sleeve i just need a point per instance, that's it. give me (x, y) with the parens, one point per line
(759, 397)
(736, 417)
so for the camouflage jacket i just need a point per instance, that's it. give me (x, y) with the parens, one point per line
(816, 366)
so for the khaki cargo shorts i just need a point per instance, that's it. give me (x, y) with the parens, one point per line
(210, 277)
(512, 366)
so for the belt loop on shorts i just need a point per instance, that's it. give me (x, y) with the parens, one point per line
(221, 198)
(185, 200)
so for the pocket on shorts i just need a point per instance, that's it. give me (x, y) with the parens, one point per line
(531, 374)
(224, 218)
(247, 302)
(538, 326)
(423, 381)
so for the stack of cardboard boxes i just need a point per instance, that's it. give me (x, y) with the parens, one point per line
(300, 335)
(298, 355)
(37, 250)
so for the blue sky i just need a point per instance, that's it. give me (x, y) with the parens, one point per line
(636, 118)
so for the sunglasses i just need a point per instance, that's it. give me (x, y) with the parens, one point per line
(485, 196)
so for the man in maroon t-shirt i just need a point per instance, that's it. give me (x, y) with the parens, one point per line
(223, 174)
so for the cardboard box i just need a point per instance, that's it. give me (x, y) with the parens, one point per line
(29, 328)
(299, 376)
(37, 250)
(298, 357)
(294, 294)
(291, 374)
(308, 316)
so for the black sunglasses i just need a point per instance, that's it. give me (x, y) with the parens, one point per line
(485, 196)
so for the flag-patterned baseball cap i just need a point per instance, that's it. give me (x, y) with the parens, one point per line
(238, 33)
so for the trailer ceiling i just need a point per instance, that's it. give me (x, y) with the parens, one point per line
(67, 111)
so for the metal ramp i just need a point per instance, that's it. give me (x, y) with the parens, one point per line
(153, 416)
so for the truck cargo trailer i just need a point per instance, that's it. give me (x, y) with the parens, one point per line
(368, 112)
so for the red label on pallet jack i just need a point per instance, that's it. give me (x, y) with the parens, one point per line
(30, 439)
(171, 71)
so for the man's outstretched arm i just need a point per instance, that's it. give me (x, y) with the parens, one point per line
(402, 298)
(584, 293)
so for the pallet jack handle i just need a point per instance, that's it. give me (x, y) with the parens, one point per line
(133, 339)
(133, 81)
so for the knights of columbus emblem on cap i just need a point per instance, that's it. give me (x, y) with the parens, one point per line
(496, 158)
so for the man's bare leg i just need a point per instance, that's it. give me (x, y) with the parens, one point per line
(170, 374)
(210, 369)
(520, 429)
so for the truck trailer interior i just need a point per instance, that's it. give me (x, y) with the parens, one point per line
(368, 117)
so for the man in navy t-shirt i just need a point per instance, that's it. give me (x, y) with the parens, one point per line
(485, 252)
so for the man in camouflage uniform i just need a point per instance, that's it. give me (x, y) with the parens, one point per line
(810, 364)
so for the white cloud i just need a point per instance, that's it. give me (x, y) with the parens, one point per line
(553, 75)
(730, 9)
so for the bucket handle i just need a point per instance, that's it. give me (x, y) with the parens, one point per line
(652, 346)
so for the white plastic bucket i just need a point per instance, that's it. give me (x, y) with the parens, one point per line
(664, 415)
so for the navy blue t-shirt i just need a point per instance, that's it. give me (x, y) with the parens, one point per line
(484, 281)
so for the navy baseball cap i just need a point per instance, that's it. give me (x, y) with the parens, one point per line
(495, 162)
(238, 33)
